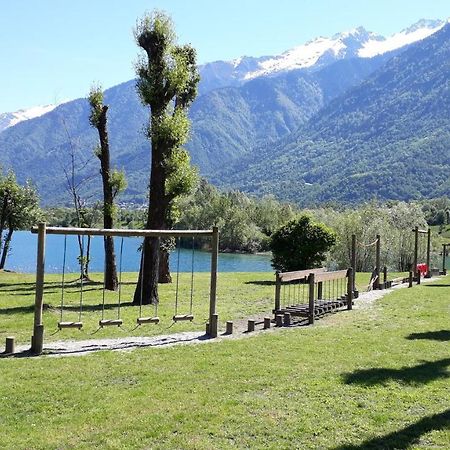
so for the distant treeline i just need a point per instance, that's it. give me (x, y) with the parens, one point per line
(246, 223)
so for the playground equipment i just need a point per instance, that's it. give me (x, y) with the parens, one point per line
(314, 291)
(378, 271)
(421, 268)
(42, 230)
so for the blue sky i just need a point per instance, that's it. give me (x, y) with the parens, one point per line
(52, 50)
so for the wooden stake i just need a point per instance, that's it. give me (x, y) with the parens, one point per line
(287, 319)
(428, 274)
(277, 291)
(251, 325)
(376, 284)
(279, 320)
(311, 298)
(350, 288)
(416, 249)
(353, 261)
(267, 322)
(229, 329)
(10, 345)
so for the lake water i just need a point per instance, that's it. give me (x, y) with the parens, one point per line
(24, 244)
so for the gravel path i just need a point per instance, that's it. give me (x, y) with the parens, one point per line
(84, 347)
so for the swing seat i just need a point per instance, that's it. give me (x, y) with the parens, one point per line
(77, 325)
(141, 320)
(180, 317)
(108, 322)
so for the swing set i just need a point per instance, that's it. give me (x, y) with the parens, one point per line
(42, 230)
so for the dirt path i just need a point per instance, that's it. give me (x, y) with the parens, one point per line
(78, 348)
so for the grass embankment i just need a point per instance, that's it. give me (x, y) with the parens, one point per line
(369, 378)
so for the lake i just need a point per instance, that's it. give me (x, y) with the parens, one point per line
(23, 256)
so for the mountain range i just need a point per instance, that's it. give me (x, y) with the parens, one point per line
(345, 118)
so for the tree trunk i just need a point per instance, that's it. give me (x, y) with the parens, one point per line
(111, 282)
(164, 269)
(147, 286)
(6, 248)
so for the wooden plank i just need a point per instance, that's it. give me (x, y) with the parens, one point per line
(329, 276)
(124, 233)
(299, 274)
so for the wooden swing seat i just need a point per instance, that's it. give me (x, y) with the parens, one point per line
(180, 317)
(77, 325)
(141, 320)
(110, 322)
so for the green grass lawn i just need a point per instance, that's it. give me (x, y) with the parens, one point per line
(375, 377)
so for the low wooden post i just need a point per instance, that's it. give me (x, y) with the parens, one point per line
(353, 261)
(279, 320)
(287, 319)
(376, 284)
(428, 274)
(10, 345)
(213, 286)
(410, 279)
(277, 291)
(213, 326)
(418, 276)
(37, 340)
(385, 276)
(311, 281)
(229, 329)
(250, 325)
(350, 288)
(267, 322)
(416, 249)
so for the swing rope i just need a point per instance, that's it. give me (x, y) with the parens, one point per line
(192, 275)
(178, 277)
(63, 278)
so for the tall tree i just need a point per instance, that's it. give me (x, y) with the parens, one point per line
(113, 181)
(167, 80)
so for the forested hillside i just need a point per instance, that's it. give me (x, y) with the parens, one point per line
(387, 138)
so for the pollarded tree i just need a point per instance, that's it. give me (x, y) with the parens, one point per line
(113, 180)
(300, 244)
(167, 80)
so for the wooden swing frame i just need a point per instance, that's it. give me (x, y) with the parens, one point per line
(37, 339)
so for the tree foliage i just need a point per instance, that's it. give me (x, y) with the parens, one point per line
(300, 244)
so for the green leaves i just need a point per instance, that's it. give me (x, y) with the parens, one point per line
(301, 244)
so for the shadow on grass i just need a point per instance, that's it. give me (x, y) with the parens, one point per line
(437, 285)
(442, 335)
(420, 374)
(261, 283)
(30, 308)
(405, 437)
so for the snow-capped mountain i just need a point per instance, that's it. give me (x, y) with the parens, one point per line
(317, 53)
(12, 118)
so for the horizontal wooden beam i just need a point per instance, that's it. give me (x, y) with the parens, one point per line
(328, 276)
(299, 274)
(123, 233)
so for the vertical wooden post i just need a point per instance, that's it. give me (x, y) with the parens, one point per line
(385, 276)
(350, 288)
(428, 274)
(418, 276)
(10, 345)
(229, 329)
(279, 320)
(416, 250)
(267, 321)
(287, 319)
(353, 261)
(376, 284)
(320, 290)
(444, 254)
(213, 286)
(250, 325)
(37, 340)
(410, 279)
(277, 291)
(311, 281)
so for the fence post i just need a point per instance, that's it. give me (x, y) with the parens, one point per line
(428, 274)
(277, 292)
(350, 288)
(416, 249)
(311, 281)
(37, 340)
(353, 262)
(410, 279)
(444, 250)
(376, 284)
(213, 286)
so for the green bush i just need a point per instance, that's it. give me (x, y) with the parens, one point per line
(300, 244)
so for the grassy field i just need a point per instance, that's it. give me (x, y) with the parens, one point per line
(375, 377)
